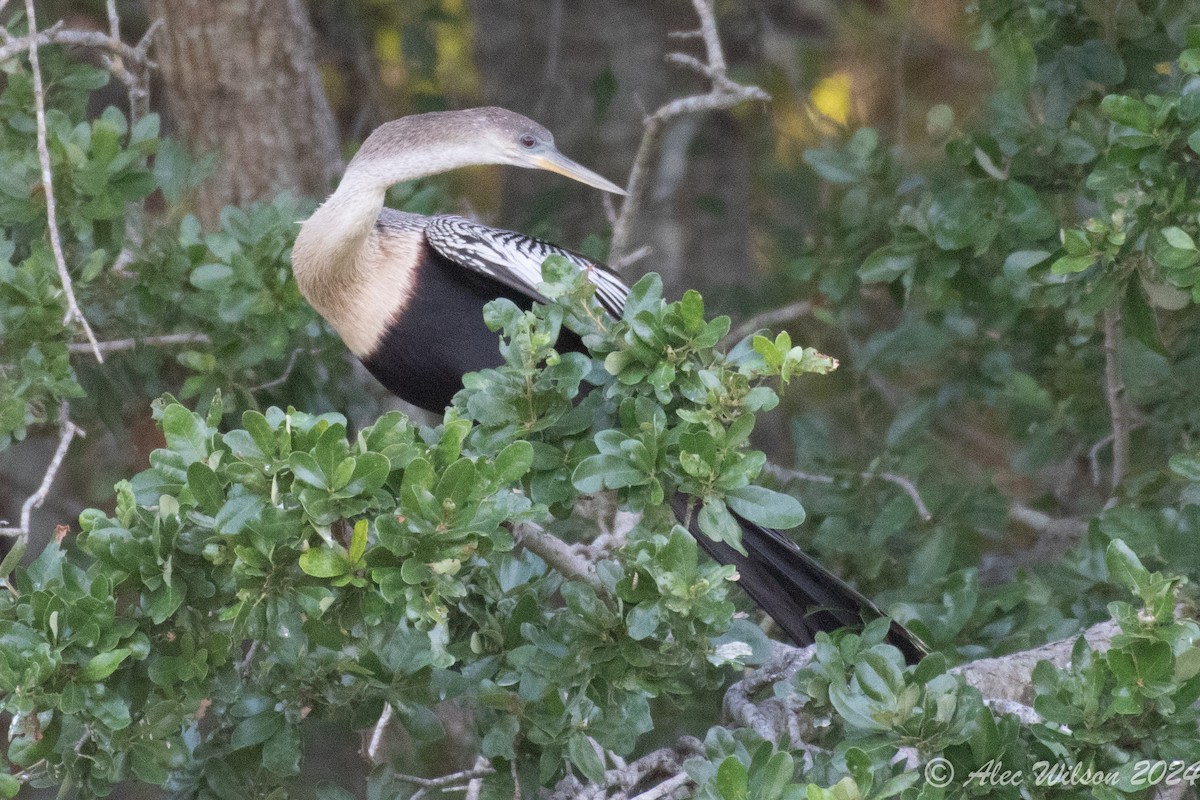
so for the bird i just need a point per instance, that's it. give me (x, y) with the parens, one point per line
(406, 294)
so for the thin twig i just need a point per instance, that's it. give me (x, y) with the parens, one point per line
(377, 733)
(287, 371)
(1095, 450)
(150, 341)
(67, 432)
(723, 94)
(1043, 523)
(455, 781)
(664, 788)
(39, 102)
(1114, 392)
(906, 484)
(899, 61)
(55, 34)
(475, 787)
(776, 316)
(624, 261)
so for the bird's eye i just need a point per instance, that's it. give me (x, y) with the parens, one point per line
(528, 141)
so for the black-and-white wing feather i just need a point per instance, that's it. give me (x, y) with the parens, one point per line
(515, 259)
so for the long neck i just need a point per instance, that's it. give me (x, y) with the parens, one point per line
(327, 255)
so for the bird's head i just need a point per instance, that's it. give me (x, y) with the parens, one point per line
(450, 139)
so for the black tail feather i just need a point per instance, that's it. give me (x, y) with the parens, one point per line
(793, 589)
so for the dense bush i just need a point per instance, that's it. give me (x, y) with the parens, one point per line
(273, 567)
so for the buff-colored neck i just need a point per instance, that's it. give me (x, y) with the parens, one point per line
(330, 247)
(355, 276)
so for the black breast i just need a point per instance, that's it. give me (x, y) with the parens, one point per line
(440, 335)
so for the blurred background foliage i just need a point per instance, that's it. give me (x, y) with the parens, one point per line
(988, 215)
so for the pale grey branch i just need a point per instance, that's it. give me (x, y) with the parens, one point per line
(118, 345)
(559, 555)
(67, 432)
(723, 94)
(775, 316)
(906, 485)
(60, 259)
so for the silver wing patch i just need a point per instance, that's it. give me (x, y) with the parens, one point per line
(515, 259)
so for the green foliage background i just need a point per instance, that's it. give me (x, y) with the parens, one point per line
(976, 298)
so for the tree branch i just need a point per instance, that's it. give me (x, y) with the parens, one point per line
(118, 345)
(1114, 392)
(455, 781)
(1005, 683)
(723, 93)
(39, 102)
(559, 555)
(775, 316)
(67, 432)
(906, 485)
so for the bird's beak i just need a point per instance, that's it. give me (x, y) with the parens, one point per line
(557, 162)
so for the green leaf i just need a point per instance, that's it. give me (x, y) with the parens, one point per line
(1178, 238)
(732, 779)
(13, 557)
(281, 752)
(325, 562)
(596, 473)
(1020, 262)
(513, 462)
(766, 507)
(1185, 465)
(212, 277)
(774, 776)
(1125, 567)
(206, 487)
(642, 620)
(186, 433)
(717, 523)
(1140, 321)
(1128, 111)
(358, 541)
(102, 665)
(256, 730)
(306, 470)
(1069, 264)
(885, 265)
(1189, 60)
(584, 756)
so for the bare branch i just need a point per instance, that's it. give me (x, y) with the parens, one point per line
(475, 787)
(906, 485)
(287, 371)
(1045, 524)
(559, 555)
(723, 94)
(67, 432)
(377, 732)
(1009, 677)
(666, 763)
(150, 341)
(1025, 713)
(625, 260)
(776, 316)
(455, 781)
(55, 34)
(1114, 392)
(39, 102)
(665, 788)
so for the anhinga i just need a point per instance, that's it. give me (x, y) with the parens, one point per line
(406, 292)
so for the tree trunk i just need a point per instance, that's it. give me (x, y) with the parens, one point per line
(242, 82)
